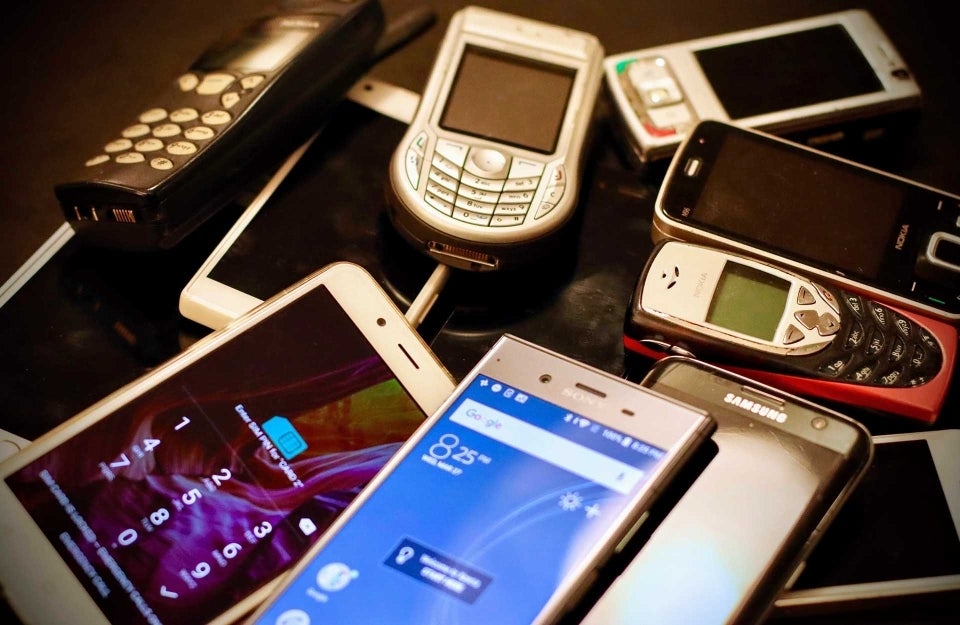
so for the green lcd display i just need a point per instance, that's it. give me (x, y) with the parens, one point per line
(748, 301)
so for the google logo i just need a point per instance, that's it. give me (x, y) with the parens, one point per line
(487, 422)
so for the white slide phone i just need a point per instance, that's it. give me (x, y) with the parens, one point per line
(897, 539)
(842, 67)
(249, 265)
(490, 169)
(503, 506)
(184, 495)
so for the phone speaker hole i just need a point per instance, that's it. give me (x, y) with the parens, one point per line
(591, 390)
(409, 357)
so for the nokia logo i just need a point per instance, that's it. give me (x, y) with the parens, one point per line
(583, 397)
(755, 407)
(902, 237)
(701, 279)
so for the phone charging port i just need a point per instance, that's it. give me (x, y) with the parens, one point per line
(462, 257)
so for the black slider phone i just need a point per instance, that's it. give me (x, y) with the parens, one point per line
(247, 101)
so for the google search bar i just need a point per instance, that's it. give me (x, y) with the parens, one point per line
(547, 446)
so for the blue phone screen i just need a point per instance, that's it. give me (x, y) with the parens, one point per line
(501, 499)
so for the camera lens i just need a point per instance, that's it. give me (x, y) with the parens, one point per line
(545, 378)
(818, 423)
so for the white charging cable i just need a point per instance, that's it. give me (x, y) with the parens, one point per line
(428, 295)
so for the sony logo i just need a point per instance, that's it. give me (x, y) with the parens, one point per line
(755, 407)
(580, 396)
(902, 237)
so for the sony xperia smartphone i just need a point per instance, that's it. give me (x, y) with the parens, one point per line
(842, 67)
(183, 496)
(489, 171)
(862, 229)
(725, 550)
(897, 539)
(503, 505)
(789, 331)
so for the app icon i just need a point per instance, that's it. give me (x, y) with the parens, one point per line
(293, 617)
(336, 576)
(288, 441)
(307, 526)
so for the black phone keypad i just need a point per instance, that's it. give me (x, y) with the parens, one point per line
(879, 347)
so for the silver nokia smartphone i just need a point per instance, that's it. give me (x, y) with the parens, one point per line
(502, 507)
(842, 67)
(786, 330)
(897, 539)
(782, 469)
(183, 496)
(892, 239)
(489, 170)
(250, 98)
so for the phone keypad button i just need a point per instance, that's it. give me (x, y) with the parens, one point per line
(827, 297)
(215, 118)
(521, 184)
(446, 166)
(182, 148)
(898, 350)
(903, 326)
(880, 315)
(863, 373)
(215, 83)
(188, 82)
(152, 116)
(452, 151)
(441, 178)
(137, 130)
(97, 160)
(118, 145)
(471, 217)
(875, 344)
(184, 115)
(479, 194)
(199, 133)
(251, 81)
(808, 318)
(855, 336)
(805, 297)
(166, 130)
(855, 304)
(487, 161)
(130, 158)
(442, 192)
(792, 335)
(484, 208)
(512, 209)
(919, 357)
(827, 324)
(487, 184)
(506, 220)
(148, 145)
(161, 163)
(229, 99)
(441, 205)
(835, 366)
(891, 377)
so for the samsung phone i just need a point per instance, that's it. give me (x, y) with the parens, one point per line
(489, 170)
(789, 331)
(274, 241)
(860, 228)
(183, 496)
(783, 468)
(246, 102)
(842, 67)
(503, 505)
(897, 539)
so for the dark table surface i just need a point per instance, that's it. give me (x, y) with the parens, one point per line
(74, 71)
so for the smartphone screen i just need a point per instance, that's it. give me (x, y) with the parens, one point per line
(900, 505)
(825, 64)
(736, 533)
(204, 488)
(481, 522)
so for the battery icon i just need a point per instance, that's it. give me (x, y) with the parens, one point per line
(626, 441)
